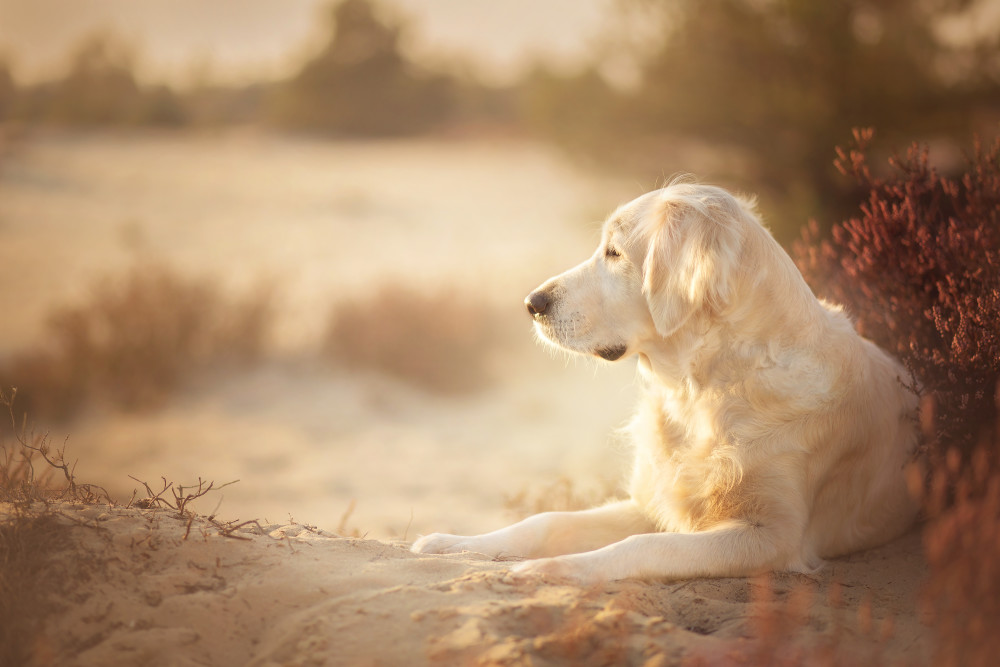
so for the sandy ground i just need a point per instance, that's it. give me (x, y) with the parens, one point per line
(322, 221)
(310, 446)
(163, 591)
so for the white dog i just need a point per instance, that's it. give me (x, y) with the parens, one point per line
(770, 434)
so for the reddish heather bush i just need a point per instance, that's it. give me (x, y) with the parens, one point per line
(920, 271)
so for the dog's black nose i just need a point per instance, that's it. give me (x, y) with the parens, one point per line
(537, 303)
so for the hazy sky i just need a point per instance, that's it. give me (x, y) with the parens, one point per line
(242, 39)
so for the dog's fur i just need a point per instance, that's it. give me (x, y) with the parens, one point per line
(770, 434)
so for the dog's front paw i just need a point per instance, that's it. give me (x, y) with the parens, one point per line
(439, 543)
(573, 569)
(442, 543)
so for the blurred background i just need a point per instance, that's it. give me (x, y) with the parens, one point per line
(287, 241)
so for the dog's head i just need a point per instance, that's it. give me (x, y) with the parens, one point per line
(664, 258)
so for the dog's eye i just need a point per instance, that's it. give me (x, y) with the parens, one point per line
(611, 252)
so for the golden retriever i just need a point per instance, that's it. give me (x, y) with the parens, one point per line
(770, 434)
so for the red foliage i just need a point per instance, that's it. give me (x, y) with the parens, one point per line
(919, 269)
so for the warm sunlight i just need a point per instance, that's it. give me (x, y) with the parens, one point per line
(366, 332)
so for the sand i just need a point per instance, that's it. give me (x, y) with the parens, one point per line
(163, 590)
(321, 221)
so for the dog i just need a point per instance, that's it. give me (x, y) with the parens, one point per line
(770, 435)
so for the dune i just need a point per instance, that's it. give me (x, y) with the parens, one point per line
(161, 589)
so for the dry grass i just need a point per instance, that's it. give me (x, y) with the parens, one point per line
(440, 341)
(135, 341)
(142, 337)
(151, 332)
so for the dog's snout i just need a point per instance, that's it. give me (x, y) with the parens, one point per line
(537, 303)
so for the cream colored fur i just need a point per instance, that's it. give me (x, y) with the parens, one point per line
(770, 434)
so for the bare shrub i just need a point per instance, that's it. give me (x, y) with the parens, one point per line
(21, 483)
(442, 341)
(135, 341)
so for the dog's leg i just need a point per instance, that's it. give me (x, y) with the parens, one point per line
(547, 534)
(737, 549)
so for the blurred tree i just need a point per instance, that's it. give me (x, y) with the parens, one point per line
(360, 83)
(8, 91)
(100, 89)
(777, 84)
(161, 106)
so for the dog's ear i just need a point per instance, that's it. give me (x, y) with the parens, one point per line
(690, 263)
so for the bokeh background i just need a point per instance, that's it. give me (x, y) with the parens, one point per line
(287, 241)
